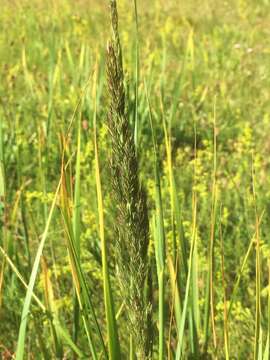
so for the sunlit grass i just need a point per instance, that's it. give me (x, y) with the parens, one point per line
(194, 130)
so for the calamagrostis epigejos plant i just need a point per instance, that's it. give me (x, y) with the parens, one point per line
(132, 224)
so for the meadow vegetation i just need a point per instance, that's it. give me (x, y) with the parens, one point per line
(134, 179)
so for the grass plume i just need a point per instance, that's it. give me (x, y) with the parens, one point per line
(132, 225)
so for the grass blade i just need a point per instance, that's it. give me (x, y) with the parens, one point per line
(51, 308)
(209, 304)
(159, 239)
(76, 224)
(267, 346)
(33, 276)
(62, 333)
(79, 281)
(258, 329)
(112, 331)
(179, 348)
(225, 311)
(137, 66)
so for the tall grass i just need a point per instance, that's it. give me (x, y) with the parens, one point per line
(159, 235)
(112, 330)
(130, 226)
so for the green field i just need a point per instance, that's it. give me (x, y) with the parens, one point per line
(135, 195)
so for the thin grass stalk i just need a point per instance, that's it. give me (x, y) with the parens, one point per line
(180, 342)
(266, 355)
(213, 223)
(171, 180)
(258, 330)
(176, 300)
(76, 226)
(2, 172)
(112, 330)
(209, 303)
(194, 301)
(131, 349)
(176, 216)
(159, 239)
(159, 249)
(194, 306)
(137, 67)
(225, 311)
(51, 308)
(177, 226)
(2, 207)
(2, 272)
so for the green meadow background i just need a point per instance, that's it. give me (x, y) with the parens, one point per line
(201, 72)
